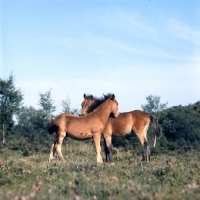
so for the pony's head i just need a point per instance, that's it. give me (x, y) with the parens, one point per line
(90, 103)
(114, 107)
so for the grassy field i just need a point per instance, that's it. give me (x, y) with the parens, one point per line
(24, 176)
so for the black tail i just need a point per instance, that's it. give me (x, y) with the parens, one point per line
(156, 125)
(51, 126)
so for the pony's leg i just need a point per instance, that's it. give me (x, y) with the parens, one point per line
(52, 151)
(146, 147)
(97, 138)
(143, 140)
(108, 147)
(58, 147)
(146, 152)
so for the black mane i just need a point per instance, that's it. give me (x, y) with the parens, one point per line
(97, 101)
(108, 95)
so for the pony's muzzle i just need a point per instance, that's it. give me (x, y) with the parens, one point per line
(117, 114)
(114, 115)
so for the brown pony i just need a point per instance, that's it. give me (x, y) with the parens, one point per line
(127, 122)
(83, 127)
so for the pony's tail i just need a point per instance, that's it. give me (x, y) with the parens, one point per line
(51, 127)
(156, 127)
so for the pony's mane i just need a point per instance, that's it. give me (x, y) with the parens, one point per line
(108, 95)
(97, 101)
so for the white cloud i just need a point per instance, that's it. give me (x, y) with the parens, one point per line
(130, 85)
(126, 51)
(185, 32)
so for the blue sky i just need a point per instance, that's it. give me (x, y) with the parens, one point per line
(130, 48)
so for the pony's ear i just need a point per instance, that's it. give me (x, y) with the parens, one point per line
(91, 97)
(84, 96)
(106, 97)
(112, 97)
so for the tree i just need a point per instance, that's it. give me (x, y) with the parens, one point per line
(46, 104)
(67, 107)
(30, 124)
(153, 105)
(10, 102)
(181, 127)
(196, 107)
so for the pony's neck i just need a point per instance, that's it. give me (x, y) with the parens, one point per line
(93, 106)
(103, 110)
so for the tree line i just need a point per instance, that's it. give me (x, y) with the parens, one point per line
(180, 124)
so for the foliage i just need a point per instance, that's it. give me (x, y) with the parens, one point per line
(31, 125)
(153, 105)
(10, 102)
(46, 104)
(66, 104)
(181, 126)
(196, 107)
(167, 176)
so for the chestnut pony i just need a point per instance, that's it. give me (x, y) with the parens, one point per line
(83, 127)
(134, 121)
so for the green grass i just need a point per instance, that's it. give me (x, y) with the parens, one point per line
(175, 175)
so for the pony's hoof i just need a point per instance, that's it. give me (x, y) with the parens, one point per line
(100, 162)
(112, 163)
(50, 159)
